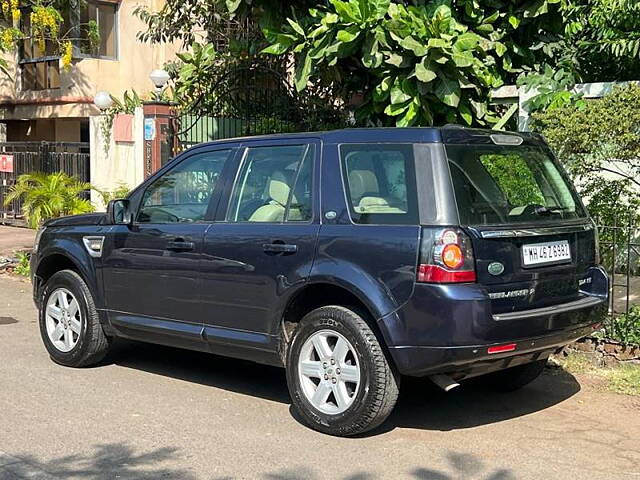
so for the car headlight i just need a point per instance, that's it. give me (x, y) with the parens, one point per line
(36, 242)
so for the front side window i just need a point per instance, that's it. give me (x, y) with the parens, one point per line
(183, 193)
(500, 184)
(274, 185)
(380, 183)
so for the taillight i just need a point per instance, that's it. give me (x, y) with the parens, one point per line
(446, 256)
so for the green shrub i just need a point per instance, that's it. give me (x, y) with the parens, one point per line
(49, 195)
(587, 137)
(24, 267)
(121, 191)
(625, 328)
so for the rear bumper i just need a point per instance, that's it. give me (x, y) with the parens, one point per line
(449, 328)
(469, 361)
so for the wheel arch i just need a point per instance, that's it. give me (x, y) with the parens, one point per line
(317, 294)
(54, 260)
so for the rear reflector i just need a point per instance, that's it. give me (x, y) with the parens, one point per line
(509, 347)
(437, 274)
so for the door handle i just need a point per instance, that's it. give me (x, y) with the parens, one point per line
(180, 246)
(279, 248)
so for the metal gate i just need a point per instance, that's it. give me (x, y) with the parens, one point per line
(252, 97)
(72, 158)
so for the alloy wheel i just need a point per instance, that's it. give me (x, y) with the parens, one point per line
(329, 371)
(63, 319)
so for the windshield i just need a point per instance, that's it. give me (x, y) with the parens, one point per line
(509, 184)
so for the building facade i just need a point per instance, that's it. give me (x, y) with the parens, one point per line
(42, 102)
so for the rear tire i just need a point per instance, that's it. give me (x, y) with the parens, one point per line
(514, 378)
(69, 323)
(339, 378)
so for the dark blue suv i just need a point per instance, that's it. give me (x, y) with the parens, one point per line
(351, 257)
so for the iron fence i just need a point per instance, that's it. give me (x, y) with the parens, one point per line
(254, 97)
(70, 157)
(620, 255)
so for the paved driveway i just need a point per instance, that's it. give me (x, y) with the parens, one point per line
(15, 238)
(154, 412)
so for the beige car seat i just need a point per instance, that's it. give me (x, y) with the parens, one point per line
(364, 186)
(273, 211)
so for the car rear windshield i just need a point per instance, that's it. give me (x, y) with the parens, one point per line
(510, 184)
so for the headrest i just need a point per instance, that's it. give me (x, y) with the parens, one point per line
(361, 182)
(279, 187)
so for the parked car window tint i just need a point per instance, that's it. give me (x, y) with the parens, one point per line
(500, 184)
(380, 183)
(274, 184)
(183, 193)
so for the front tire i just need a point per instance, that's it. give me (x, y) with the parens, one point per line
(69, 323)
(339, 378)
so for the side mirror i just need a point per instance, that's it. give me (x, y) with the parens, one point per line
(119, 212)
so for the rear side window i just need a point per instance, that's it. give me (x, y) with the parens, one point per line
(380, 183)
(500, 185)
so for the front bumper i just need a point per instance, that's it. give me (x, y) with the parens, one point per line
(449, 328)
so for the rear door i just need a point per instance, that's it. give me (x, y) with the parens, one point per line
(532, 239)
(262, 246)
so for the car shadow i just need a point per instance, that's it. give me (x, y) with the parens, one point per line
(421, 405)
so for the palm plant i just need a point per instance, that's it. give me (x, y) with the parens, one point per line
(49, 195)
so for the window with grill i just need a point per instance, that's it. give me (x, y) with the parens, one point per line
(40, 63)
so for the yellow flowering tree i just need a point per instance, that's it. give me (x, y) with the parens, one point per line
(48, 24)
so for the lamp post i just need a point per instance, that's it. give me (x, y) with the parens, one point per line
(103, 101)
(159, 79)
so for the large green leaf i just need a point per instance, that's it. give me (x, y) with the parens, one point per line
(296, 27)
(348, 35)
(395, 59)
(303, 70)
(373, 9)
(371, 58)
(232, 5)
(410, 43)
(348, 11)
(467, 41)
(448, 91)
(462, 59)
(465, 113)
(438, 43)
(398, 95)
(408, 117)
(276, 49)
(381, 91)
(394, 110)
(424, 71)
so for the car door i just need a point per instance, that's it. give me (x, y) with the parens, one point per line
(152, 267)
(262, 246)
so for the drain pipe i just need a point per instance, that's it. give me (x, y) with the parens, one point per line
(445, 382)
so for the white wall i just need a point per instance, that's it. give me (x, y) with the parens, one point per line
(121, 163)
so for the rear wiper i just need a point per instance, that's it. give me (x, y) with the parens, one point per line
(549, 210)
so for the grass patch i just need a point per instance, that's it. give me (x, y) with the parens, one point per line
(623, 379)
(576, 363)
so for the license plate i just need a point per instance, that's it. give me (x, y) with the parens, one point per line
(548, 252)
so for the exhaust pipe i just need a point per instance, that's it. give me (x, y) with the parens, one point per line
(445, 382)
